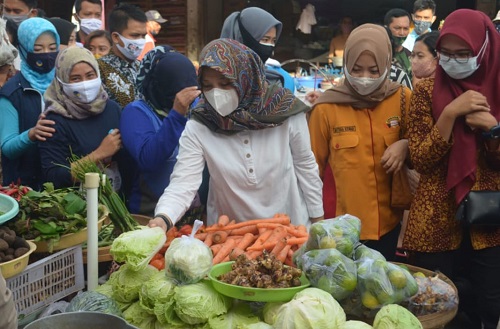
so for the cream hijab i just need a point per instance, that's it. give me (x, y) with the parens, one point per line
(374, 39)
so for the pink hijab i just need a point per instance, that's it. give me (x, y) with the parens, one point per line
(486, 80)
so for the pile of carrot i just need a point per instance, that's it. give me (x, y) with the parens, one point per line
(228, 239)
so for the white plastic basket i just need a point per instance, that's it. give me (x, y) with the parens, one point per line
(48, 280)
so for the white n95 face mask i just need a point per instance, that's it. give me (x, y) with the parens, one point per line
(132, 47)
(224, 101)
(90, 24)
(363, 85)
(82, 92)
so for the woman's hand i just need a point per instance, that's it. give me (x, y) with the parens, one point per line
(42, 130)
(184, 98)
(480, 120)
(313, 96)
(469, 102)
(111, 144)
(158, 222)
(394, 156)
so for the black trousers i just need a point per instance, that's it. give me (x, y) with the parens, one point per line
(476, 273)
(387, 244)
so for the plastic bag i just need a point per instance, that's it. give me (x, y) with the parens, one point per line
(434, 295)
(341, 233)
(382, 283)
(329, 270)
(54, 308)
(188, 260)
(93, 301)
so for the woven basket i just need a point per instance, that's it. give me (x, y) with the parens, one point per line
(440, 319)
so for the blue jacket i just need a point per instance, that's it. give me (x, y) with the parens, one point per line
(153, 144)
(29, 104)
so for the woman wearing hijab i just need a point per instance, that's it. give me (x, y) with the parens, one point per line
(151, 126)
(23, 126)
(356, 130)
(66, 31)
(259, 30)
(453, 129)
(254, 139)
(85, 120)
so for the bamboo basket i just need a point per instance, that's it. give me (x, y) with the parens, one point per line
(439, 319)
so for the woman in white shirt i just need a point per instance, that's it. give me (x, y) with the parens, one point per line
(255, 141)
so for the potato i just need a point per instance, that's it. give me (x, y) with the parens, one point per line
(9, 251)
(3, 245)
(8, 258)
(20, 251)
(20, 243)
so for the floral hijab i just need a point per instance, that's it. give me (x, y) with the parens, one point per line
(55, 98)
(163, 73)
(261, 105)
(28, 32)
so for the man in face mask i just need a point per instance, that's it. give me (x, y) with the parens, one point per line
(398, 22)
(154, 26)
(88, 13)
(423, 17)
(119, 68)
(19, 10)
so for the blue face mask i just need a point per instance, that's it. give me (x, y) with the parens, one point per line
(42, 62)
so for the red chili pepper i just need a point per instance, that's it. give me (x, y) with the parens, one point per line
(12, 191)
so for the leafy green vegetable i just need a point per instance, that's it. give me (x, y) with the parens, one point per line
(94, 302)
(309, 309)
(394, 317)
(257, 325)
(136, 248)
(239, 316)
(136, 316)
(157, 290)
(126, 282)
(353, 324)
(198, 302)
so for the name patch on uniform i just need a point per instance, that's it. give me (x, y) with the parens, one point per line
(393, 121)
(343, 129)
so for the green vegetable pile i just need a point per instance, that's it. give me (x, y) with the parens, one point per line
(49, 214)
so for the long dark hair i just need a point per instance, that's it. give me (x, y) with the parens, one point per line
(430, 40)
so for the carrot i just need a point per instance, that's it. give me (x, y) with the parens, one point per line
(279, 246)
(290, 253)
(158, 263)
(223, 220)
(246, 229)
(215, 248)
(262, 230)
(277, 234)
(296, 233)
(235, 238)
(246, 241)
(299, 241)
(201, 236)
(209, 239)
(268, 225)
(253, 254)
(232, 222)
(289, 262)
(219, 236)
(224, 251)
(261, 239)
(157, 256)
(279, 220)
(283, 253)
(235, 253)
(302, 228)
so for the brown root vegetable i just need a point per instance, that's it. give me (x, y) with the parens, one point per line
(9, 251)
(8, 258)
(20, 251)
(9, 236)
(3, 245)
(20, 243)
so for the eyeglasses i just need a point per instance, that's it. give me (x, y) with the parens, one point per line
(460, 58)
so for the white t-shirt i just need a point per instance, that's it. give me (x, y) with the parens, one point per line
(253, 174)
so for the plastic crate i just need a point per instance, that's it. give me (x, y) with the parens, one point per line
(48, 280)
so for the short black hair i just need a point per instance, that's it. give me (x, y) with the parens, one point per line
(430, 40)
(395, 13)
(78, 4)
(32, 4)
(423, 5)
(97, 34)
(119, 17)
(11, 29)
(41, 13)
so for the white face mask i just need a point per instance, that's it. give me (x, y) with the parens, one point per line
(90, 24)
(84, 91)
(133, 47)
(17, 19)
(365, 86)
(458, 70)
(224, 101)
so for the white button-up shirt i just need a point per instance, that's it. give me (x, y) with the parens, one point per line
(253, 173)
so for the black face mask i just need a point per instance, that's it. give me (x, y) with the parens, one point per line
(42, 62)
(264, 51)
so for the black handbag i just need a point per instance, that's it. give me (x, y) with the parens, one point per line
(481, 208)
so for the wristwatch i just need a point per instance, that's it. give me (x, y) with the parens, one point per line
(493, 133)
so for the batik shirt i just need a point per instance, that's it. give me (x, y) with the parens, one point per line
(118, 77)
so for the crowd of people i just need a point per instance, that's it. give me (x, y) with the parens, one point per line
(230, 136)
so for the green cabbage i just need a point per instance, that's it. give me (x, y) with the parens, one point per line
(188, 260)
(126, 283)
(198, 302)
(258, 325)
(270, 312)
(94, 302)
(310, 309)
(105, 289)
(136, 248)
(237, 317)
(394, 317)
(136, 316)
(352, 324)
(158, 290)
